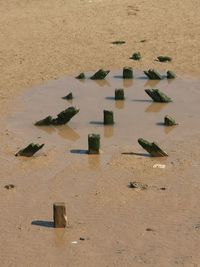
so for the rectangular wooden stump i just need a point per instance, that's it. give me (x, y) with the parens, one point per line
(59, 215)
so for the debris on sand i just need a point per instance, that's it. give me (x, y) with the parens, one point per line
(68, 97)
(138, 185)
(159, 166)
(158, 96)
(9, 186)
(30, 150)
(80, 76)
(152, 148)
(164, 59)
(127, 73)
(153, 74)
(119, 94)
(100, 74)
(136, 56)
(118, 42)
(169, 121)
(171, 74)
(93, 143)
(62, 118)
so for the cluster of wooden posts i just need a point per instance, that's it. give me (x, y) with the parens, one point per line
(59, 209)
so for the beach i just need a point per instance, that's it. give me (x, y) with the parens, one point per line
(43, 46)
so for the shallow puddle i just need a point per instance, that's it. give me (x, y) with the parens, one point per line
(137, 116)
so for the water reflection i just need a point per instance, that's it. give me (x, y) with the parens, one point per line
(94, 161)
(155, 107)
(67, 132)
(119, 104)
(108, 131)
(127, 83)
(63, 131)
(102, 83)
(151, 83)
(167, 129)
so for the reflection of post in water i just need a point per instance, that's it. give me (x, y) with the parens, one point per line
(119, 104)
(127, 82)
(151, 83)
(108, 131)
(60, 238)
(155, 107)
(47, 129)
(67, 133)
(102, 83)
(94, 161)
(168, 129)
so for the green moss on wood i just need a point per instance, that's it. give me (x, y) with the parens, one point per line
(100, 74)
(119, 94)
(108, 117)
(62, 118)
(169, 121)
(158, 96)
(152, 148)
(93, 143)
(30, 150)
(127, 73)
(80, 76)
(136, 56)
(68, 97)
(153, 74)
(171, 74)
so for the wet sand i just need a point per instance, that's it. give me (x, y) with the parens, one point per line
(121, 226)
(40, 44)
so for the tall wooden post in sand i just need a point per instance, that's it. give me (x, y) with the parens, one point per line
(59, 215)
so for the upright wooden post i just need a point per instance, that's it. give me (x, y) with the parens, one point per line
(108, 117)
(59, 215)
(119, 94)
(93, 143)
(127, 73)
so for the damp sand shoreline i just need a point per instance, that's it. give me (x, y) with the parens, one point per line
(42, 42)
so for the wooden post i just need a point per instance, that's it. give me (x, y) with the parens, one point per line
(93, 143)
(108, 117)
(127, 73)
(171, 74)
(119, 94)
(59, 215)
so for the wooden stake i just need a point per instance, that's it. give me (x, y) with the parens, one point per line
(93, 143)
(100, 74)
(119, 94)
(171, 74)
(59, 215)
(152, 148)
(108, 117)
(127, 73)
(158, 96)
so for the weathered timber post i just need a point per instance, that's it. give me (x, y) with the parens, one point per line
(171, 74)
(100, 74)
(169, 121)
(59, 215)
(30, 150)
(93, 143)
(108, 117)
(119, 94)
(136, 56)
(68, 97)
(80, 76)
(127, 73)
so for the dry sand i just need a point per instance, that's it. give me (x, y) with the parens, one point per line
(41, 41)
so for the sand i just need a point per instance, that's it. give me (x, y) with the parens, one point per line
(122, 227)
